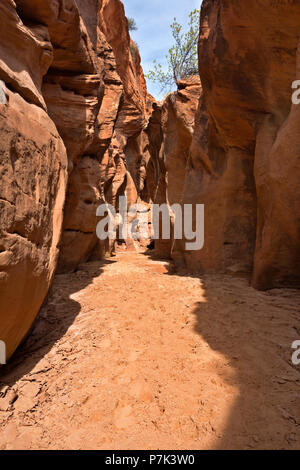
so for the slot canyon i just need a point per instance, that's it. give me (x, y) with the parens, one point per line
(128, 344)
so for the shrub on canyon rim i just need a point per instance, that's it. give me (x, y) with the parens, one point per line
(132, 24)
(182, 58)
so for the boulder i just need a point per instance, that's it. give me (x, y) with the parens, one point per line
(33, 178)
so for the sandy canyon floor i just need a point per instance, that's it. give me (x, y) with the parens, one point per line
(128, 354)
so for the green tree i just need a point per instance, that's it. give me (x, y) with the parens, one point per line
(132, 24)
(182, 59)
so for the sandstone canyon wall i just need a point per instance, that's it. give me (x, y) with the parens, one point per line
(33, 176)
(168, 138)
(72, 95)
(78, 127)
(97, 104)
(244, 158)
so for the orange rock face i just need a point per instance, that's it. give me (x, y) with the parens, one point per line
(32, 195)
(244, 154)
(72, 94)
(178, 121)
(33, 177)
(74, 105)
(170, 150)
(25, 54)
(157, 156)
(113, 23)
(97, 106)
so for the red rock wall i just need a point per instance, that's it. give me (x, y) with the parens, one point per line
(33, 174)
(73, 103)
(171, 153)
(72, 94)
(244, 163)
(97, 103)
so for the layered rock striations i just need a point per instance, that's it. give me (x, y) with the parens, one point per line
(78, 128)
(72, 94)
(169, 136)
(33, 175)
(97, 104)
(244, 157)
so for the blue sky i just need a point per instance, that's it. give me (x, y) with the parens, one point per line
(154, 37)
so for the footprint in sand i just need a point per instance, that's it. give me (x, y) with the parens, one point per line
(123, 416)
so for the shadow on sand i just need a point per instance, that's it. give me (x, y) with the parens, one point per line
(254, 331)
(56, 316)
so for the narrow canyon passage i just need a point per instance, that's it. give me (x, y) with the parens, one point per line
(135, 351)
(126, 353)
